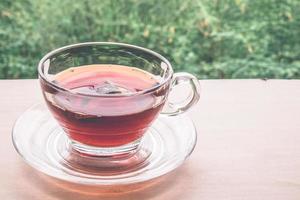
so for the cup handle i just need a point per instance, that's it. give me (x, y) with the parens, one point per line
(172, 108)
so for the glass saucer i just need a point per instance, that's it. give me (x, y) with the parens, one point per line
(42, 143)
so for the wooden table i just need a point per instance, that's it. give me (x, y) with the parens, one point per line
(248, 147)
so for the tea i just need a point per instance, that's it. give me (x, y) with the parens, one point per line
(103, 108)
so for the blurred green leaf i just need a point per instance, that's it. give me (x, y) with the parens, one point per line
(211, 38)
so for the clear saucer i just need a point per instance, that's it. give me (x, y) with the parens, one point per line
(42, 143)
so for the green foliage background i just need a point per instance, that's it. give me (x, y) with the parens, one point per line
(211, 38)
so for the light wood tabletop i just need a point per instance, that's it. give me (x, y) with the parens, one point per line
(248, 146)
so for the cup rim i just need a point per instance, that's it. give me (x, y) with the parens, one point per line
(145, 91)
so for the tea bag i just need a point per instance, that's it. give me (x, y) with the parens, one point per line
(110, 87)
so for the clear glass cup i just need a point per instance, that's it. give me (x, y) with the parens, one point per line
(110, 124)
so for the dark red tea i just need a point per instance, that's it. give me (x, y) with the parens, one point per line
(90, 115)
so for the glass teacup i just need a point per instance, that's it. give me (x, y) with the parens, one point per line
(106, 95)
